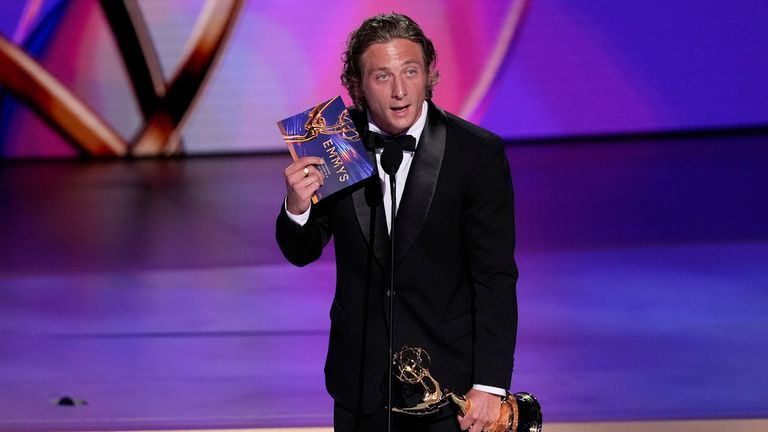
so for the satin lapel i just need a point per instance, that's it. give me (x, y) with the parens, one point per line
(370, 212)
(421, 183)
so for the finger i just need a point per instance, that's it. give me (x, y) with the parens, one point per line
(314, 175)
(465, 422)
(312, 160)
(461, 424)
(305, 187)
(305, 176)
(480, 426)
(483, 420)
(302, 168)
(299, 196)
(308, 160)
(311, 170)
(313, 181)
(299, 164)
(294, 169)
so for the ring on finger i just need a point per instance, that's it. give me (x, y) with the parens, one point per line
(306, 171)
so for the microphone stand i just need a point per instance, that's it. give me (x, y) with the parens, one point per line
(390, 355)
(390, 159)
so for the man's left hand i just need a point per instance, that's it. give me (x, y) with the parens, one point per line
(483, 411)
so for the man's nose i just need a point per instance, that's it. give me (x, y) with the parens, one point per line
(398, 89)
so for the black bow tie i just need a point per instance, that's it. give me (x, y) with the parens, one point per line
(406, 142)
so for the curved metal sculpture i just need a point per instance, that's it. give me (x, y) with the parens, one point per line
(164, 105)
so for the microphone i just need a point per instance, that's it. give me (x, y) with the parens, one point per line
(394, 146)
(391, 157)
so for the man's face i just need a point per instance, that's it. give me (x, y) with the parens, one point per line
(394, 84)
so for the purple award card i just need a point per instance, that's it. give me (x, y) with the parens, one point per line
(327, 131)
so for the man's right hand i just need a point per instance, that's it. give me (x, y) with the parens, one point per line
(302, 180)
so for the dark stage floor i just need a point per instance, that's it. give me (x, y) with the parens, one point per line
(153, 289)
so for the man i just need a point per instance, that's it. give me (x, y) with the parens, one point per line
(455, 271)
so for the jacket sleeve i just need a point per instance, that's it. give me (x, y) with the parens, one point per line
(489, 231)
(299, 244)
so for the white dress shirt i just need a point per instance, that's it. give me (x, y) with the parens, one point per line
(402, 172)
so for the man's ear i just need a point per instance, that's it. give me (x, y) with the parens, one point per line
(359, 96)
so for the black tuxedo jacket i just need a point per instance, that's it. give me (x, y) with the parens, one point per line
(455, 270)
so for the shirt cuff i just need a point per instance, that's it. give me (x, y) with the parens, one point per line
(492, 390)
(299, 220)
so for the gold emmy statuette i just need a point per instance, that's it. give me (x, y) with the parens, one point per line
(520, 412)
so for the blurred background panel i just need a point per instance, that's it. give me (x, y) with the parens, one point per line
(583, 67)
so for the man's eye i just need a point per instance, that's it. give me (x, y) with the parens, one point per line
(412, 72)
(382, 77)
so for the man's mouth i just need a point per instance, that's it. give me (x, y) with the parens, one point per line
(399, 109)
